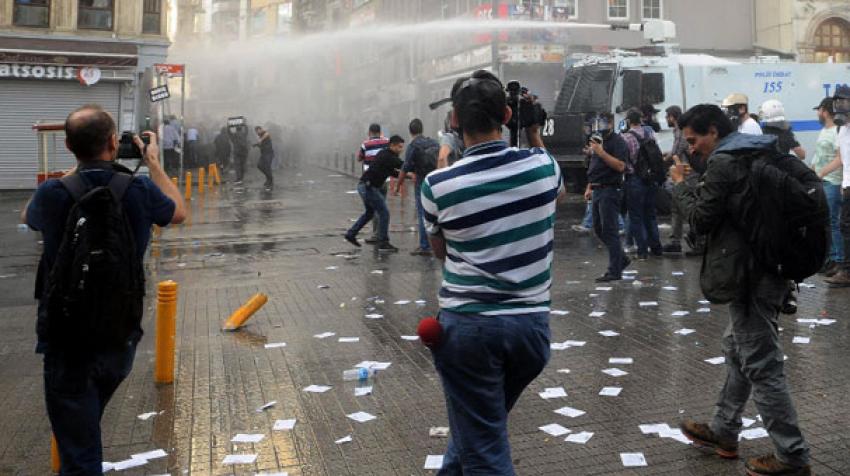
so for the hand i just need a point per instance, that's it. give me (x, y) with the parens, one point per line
(588, 194)
(150, 152)
(596, 148)
(677, 173)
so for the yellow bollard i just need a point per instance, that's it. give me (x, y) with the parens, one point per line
(174, 181)
(217, 175)
(188, 195)
(55, 463)
(210, 176)
(201, 180)
(238, 318)
(166, 328)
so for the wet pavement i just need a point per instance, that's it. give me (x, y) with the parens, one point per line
(288, 244)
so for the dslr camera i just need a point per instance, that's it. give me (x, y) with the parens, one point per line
(127, 149)
(525, 111)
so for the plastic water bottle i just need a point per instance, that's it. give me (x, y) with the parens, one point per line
(358, 374)
(23, 228)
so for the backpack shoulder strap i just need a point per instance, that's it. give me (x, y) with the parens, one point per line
(75, 185)
(641, 140)
(119, 183)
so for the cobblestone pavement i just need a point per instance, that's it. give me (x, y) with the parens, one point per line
(289, 245)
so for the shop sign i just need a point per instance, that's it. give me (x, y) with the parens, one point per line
(159, 93)
(37, 71)
(531, 53)
(172, 70)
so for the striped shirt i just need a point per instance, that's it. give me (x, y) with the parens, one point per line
(370, 147)
(496, 210)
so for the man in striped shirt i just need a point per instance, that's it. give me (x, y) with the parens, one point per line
(490, 217)
(369, 149)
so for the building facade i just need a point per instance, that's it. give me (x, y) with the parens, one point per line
(808, 31)
(56, 55)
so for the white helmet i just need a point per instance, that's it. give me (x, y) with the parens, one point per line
(772, 111)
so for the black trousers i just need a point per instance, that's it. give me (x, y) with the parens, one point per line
(265, 166)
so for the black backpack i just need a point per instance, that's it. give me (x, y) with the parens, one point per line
(649, 165)
(96, 287)
(786, 216)
(426, 158)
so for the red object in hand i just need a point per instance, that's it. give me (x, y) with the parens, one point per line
(429, 331)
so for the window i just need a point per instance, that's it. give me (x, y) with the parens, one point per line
(258, 22)
(32, 13)
(564, 10)
(151, 16)
(832, 39)
(618, 9)
(651, 9)
(95, 14)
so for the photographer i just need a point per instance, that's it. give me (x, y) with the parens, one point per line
(266, 156)
(84, 362)
(493, 212)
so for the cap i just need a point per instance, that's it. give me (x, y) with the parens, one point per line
(735, 99)
(649, 109)
(825, 103)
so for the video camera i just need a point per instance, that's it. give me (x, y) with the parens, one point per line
(525, 111)
(127, 148)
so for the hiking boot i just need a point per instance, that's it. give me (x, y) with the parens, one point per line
(386, 247)
(841, 279)
(789, 304)
(702, 437)
(352, 239)
(656, 252)
(372, 240)
(769, 465)
(672, 248)
(607, 278)
(421, 252)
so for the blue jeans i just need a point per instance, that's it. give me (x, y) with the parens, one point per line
(485, 362)
(76, 390)
(420, 217)
(606, 219)
(833, 199)
(587, 221)
(643, 224)
(375, 203)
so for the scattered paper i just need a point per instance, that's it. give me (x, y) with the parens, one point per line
(410, 338)
(373, 316)
(402, 302)
(615, 372)
(817, 322)
(648, 303)
(349, 339)
(105, 466)
(570, 412)
(361, 417)
(248, 438)
(704, 310)
(670, 288)
(747, 422)
(633, 459)
(630, 271)
(275, 345)
(553, 392)
(555, 429)
(753, 433)
(580, 438)
(378, 271)
(267, 406)
(649, 429)
(284, 425)
(678, 273)
(801, 340)
(372, 364)
(674, 434)
(239, 459)
(609, 333)
(323, 286)
(621, 360)
(704, 302)
(680, 313)
(433, 462)
(610, 391)
(597, 313)
(604, 288)
(344, 439)
(317, 388)
(807, 285)
(331, 268)
(438, 432)
(324, 335)
(716, 360)
(559, 312)
(129, 463)
(149, 455)
(362, 391)
(420, 302)
(684, 331)
(563, 371)
(148, 415)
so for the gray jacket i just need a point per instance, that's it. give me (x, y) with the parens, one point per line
(711, 207)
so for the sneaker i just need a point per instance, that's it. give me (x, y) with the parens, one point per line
(841, 279)
(352, 239)
(672, 248)
(580, 228)
(372, 240)
(607, 278)
(386, 247)
(421, 252)
(702, 437)
(789, 304)
(769, 465)
(642, 256)
(630, 250)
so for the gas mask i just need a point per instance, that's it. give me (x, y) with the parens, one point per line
(733, 112)
(841, 110)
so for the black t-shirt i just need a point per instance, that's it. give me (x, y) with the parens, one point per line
(385, 164)
(785, 138)
(598, 172)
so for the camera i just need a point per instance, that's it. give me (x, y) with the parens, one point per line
(525, 111)
(127, 149)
